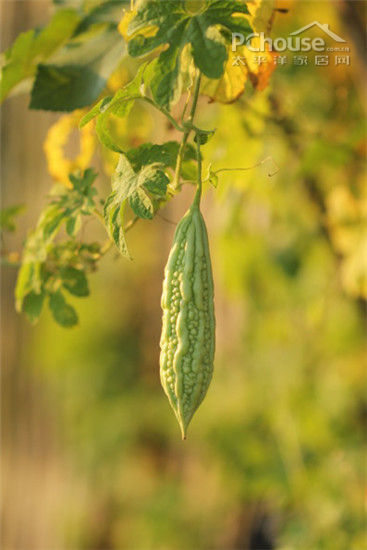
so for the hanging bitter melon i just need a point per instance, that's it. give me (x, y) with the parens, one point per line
(188, 331)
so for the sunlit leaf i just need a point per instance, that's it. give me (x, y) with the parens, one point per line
(261, 14)
(31, 47)
(242, 66)
(206, 31)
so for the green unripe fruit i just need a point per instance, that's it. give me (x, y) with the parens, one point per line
(188, 331)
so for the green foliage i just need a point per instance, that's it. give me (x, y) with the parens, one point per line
(165, 154)
(32, 47)
(65, 88)
(83, 47)
(136, 188)
(79, 73)
(70, 205)
(206, 32)
(280, 436)
(48, 265)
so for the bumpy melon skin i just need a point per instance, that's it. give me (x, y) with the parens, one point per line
(188, 331)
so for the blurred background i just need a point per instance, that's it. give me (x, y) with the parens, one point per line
(275, 457)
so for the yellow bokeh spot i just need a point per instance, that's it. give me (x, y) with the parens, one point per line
(56, 140)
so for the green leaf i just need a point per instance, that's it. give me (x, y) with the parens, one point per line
(65, 88)
(203, 137)
(163, 77)
(157, 183)
(32, 306)
(208, 47)
(39, 247)
(164, 154)
(75, 281)
(51, 221)
(79, 71)
(72, 203)
(141, 204)
(128, 185)
(29, 280)
(83, 183)
(126, 181)
(91, 44)
(114, 219)
(32, 47)
(30, 276)
(8, 215)
(62, 312)
(206, 32)
(73, 225)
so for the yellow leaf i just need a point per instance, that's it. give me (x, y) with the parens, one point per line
(261, 14)
(260, 66)
(230, 86)
(56, 140)
(242, 65)
(124, 25)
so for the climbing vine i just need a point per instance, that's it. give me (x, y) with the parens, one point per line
(183, 50)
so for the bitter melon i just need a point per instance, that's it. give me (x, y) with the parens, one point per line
(188, 331)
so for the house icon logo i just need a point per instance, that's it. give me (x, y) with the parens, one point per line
(322, 26)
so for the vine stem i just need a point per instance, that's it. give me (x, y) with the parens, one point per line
(187, 131)
(164, 112)
(240, 169)
(199, 179)
(156, 106)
